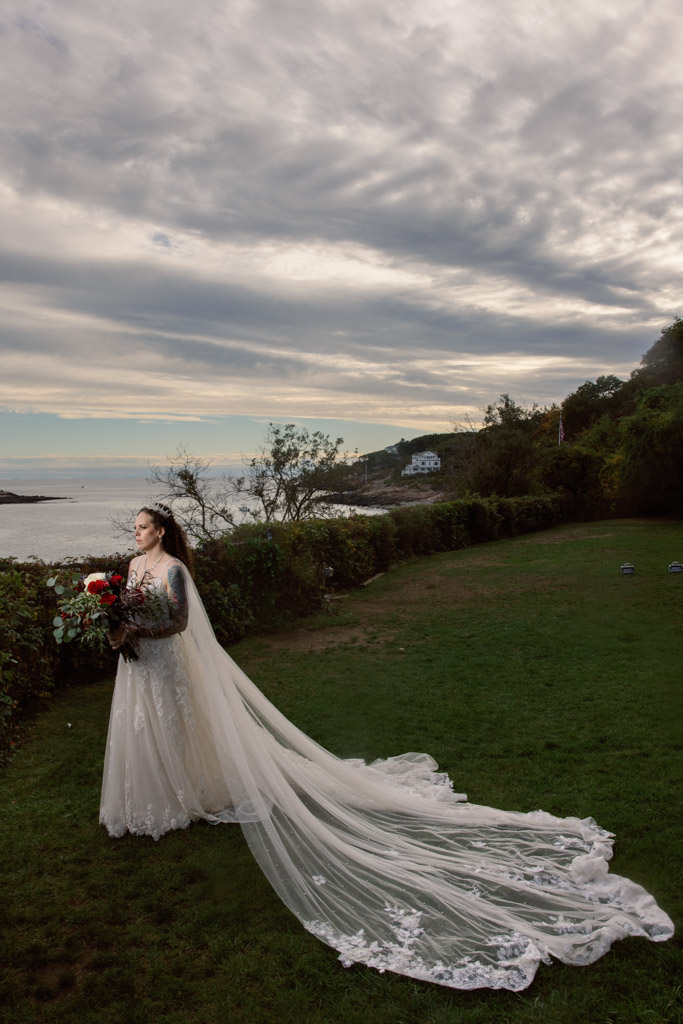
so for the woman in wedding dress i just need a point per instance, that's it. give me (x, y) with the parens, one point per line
(383, 862)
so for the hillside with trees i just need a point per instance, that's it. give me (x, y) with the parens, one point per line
(621, 451)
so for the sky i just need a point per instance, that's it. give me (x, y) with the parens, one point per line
(364, 217)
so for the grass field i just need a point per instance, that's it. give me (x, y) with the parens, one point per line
(535, 673)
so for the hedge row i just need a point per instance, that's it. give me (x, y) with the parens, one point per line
(255, 578)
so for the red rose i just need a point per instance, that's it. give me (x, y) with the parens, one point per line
(97, 586)
(108, 599)
(116, 580)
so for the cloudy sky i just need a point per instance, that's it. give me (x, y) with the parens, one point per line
(367, 216)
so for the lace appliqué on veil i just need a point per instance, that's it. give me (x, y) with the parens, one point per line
(517, 955)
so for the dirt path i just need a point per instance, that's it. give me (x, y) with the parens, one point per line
(366, 611)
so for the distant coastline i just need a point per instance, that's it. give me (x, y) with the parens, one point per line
(9, 498)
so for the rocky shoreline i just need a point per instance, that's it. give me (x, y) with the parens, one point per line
(9, 498)
(383, 495)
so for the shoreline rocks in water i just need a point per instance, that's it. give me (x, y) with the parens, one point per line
(382, 495)
(9, 498)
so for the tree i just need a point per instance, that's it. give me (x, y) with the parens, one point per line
(663, 362)
(508, 414)
(294, 475)
(591, 401)
(576, 470)
(651, 447)
(202, 504)
(292, 478)
(496, 462)
(501, 458)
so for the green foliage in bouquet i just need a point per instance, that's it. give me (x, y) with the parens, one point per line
(96, 605)
(85, 607)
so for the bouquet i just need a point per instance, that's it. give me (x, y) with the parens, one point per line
(93, 606)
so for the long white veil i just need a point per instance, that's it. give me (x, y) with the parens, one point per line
(390, 867)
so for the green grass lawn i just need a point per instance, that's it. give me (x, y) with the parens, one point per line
(535, 673)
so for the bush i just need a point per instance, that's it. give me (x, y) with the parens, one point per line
(25, 669)
(577, 471)
(277, 572)
(31, 663)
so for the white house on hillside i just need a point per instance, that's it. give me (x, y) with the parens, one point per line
(423, 462)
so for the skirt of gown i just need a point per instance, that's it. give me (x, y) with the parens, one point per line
(383, 862)
(161, 770)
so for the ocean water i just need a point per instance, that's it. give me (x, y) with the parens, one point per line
(78, 524)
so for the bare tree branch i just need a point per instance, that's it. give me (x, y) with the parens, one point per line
(292, 478)
(202, 504)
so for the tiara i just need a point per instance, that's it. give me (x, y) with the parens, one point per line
(164, 509)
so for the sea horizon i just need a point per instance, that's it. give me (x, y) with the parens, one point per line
(78, 523)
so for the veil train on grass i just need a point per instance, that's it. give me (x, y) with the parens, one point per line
(383, 862)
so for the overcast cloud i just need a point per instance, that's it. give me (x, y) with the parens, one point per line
(372, 211)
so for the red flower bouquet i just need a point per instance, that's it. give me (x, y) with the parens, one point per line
(93, 606)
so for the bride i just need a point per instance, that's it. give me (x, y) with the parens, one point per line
(383, 862)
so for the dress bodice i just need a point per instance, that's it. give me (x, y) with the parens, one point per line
(165, 611)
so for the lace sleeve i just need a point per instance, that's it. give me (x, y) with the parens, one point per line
(176, 621)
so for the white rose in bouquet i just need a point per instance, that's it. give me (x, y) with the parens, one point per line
(94, 576)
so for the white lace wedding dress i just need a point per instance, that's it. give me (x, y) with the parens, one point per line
(382, 862)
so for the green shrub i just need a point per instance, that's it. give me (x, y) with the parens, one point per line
(26, 663)
(32, 665)
(576, 470)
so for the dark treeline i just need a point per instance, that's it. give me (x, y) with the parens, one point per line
(622, 451)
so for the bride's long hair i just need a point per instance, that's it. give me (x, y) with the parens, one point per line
(174, 540)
